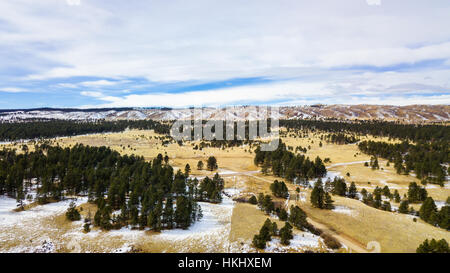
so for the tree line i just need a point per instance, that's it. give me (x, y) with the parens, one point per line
(341, 138)
(428, 212)
(425, 159)
(126, 189)
(49, 128)
(411, 132)
(286, 164)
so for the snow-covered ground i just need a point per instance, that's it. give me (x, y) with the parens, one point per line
(347, 163)
(9, 218)
(345, 210)
(216, 218)
(330, 175)
(300, 242)
(26, 231)
(440, 204)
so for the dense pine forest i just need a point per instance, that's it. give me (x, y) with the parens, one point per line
(341, 139)
(375, 128)
(32, 129)
(146, 194)
(425, 159)
(284, 163)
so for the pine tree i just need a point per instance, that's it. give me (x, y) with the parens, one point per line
(352, 191)
(286, 234)
(428, 210)
(396, 196)
(200, 165)
(317, 195)
(282, 214)
(297, 218)
(187, 170)
(404, 207)
(72, 213)
(328, 202)
(433, 246)
(253, 200)
(212, 163)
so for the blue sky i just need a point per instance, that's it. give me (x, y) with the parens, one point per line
(111, 53)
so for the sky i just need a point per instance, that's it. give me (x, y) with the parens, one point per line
(178, 53)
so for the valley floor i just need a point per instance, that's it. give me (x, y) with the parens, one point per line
(229, 226)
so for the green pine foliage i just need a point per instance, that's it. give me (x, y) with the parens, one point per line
(49, 128)
(433, 246)
(320, 198)
(416, 193)
(145, 193)
(341, 139)
(211, 164)
(286, 234)
(284, 163)
(72, 214)
(430, 214)
(279, 189)
(426, 159)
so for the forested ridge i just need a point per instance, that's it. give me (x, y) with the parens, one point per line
(284, 163)
(32, 129)
(147, 194)
(425, 159)
(375, 128)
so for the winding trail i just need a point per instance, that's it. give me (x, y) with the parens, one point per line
(351, 243)
(344, 239)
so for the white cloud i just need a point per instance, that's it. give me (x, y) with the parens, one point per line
(202, 40)
(358, 89)
(98, 83)
(92, 94)
(73, 2)
(373, 2)
(386, 56)
(13, 90)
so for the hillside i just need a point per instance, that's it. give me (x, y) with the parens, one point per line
(407, 114)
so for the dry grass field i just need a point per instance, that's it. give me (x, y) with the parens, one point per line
(358, 223)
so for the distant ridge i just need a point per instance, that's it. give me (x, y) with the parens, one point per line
(405, 114)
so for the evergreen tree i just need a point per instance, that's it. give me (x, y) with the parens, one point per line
(352, 191)
(187, 170)
(428, 211)
(286, 234)
(279, 189)
(282, 214)
(72, 213)
(434, 246)
(328, 202)
(397, 198)
(404, 207)
(200, 165)
(253, 200)
(297, 218)
(212, 163)
(416, 193)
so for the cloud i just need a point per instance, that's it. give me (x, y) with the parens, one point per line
(328, 49)
(373, 2)
(13, 90)
(73, 2)
(98, 83)
(92, 94)
(355, 90)
(385, 56)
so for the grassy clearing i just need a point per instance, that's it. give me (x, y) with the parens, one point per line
(395, 232)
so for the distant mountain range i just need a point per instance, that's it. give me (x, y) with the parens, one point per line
(407, 114)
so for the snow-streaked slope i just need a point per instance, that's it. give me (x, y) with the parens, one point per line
(408, 114)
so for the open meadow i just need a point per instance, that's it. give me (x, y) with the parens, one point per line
(230, 225)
